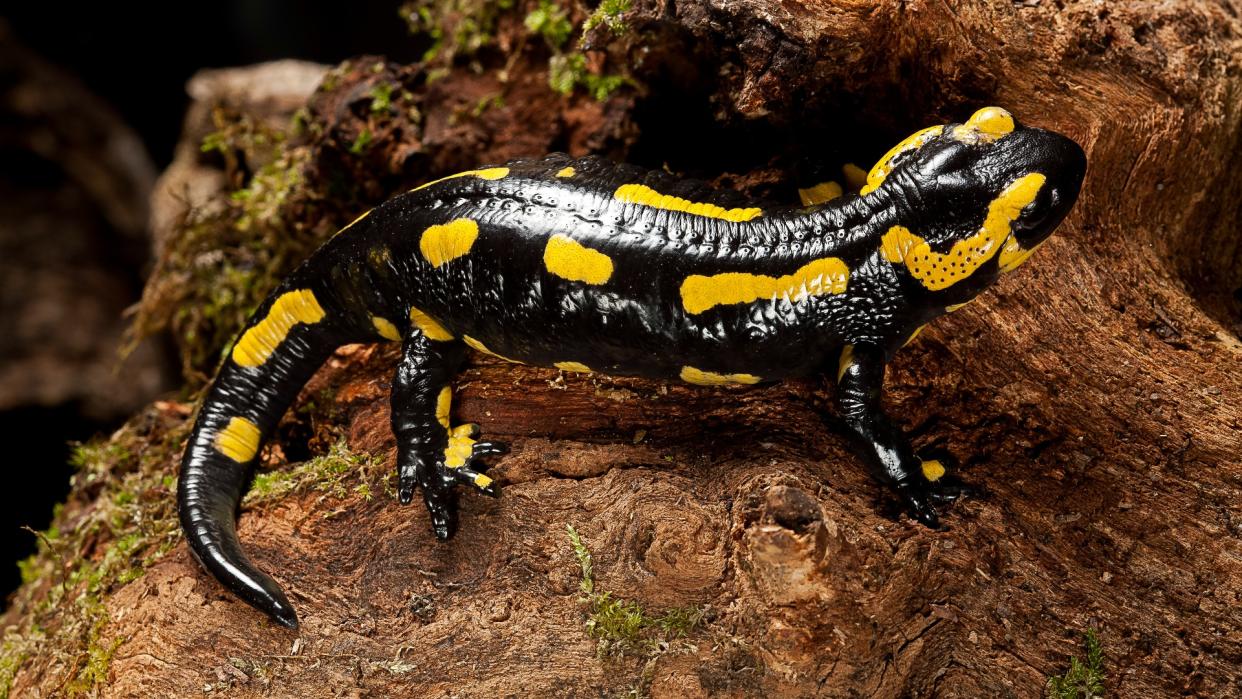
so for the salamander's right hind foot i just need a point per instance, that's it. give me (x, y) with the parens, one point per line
(462, 463)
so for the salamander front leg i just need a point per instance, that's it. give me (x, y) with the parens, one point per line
(860, 378)
(431, 453)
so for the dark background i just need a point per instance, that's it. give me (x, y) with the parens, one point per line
(138, 61)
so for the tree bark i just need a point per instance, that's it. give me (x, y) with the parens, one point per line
(1093, 396)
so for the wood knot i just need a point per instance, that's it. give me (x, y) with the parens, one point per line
(792, 508)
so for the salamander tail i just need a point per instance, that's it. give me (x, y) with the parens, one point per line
(286, 340)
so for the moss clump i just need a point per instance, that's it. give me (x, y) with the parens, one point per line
(455, 28)
(569, 71)
(225, 257)
(608, 14)
(624, 627)
(119, 520)
(550, 21)
(334, 473)
(1084, 679)
(463, 28)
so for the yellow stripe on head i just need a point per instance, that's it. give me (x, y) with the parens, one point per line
(239, 440)
(448, 241)
(885, 164)
(259, 342)
(699, 293)
(569, 259)
(642, 194)
(938, 271)
(985, 126)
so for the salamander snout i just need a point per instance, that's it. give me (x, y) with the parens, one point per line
(1062, 164)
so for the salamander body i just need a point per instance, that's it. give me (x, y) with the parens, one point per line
(586, 265)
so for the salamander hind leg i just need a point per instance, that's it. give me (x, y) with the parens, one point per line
(432, 454)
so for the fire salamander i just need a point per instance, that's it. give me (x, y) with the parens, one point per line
(586, 265)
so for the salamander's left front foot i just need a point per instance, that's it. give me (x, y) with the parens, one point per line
(933, 485)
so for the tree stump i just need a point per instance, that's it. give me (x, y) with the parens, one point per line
(1094, 396)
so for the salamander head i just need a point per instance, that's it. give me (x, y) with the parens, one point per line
(968, 194)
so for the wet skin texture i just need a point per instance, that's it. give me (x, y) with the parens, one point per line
(592, 266)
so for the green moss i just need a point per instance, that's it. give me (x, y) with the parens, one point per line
(624, 627)
(123, 520)
(332, 473)
(550, 21)
(362, 143)
(381, 98)
(608, 14)
(1084, 679)
(223, 259)
(455, 28)
(569, 71)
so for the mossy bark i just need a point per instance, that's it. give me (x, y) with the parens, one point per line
(1094, 396)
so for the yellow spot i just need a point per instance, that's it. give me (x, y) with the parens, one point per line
(491, 173)
(565, 172)
(820, 193)
(855, 177)
(709, 378)
(460, 446)
(444, 403)
(261, 340)
(448, 241)
(239, 440)
(937, 271)
(885, 164)
(985, 126)
(914, 334)
(573, 366)
(351, 223)
(428, 326)
(933, 470)
(1013, 254)
(480, 347)
(829, 275)
(482, 481)
(847, 359)
(569, 259)
(642, 194)
(386, 329)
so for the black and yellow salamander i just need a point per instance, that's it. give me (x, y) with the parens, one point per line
(587, 265)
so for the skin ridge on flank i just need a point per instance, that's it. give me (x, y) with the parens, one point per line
(589, 266)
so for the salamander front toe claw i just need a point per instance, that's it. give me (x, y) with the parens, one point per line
(443, 514)
(489, 448)
(405, 490)
(468, 476)
(949, 489)
(918, 503)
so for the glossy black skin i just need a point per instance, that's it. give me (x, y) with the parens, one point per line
(501, 294)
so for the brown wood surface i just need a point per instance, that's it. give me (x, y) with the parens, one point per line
(1094, 396)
